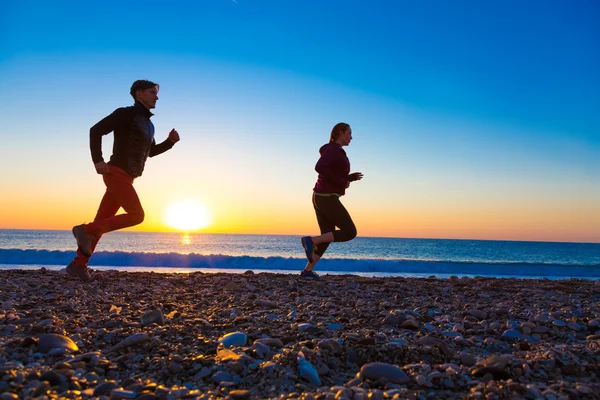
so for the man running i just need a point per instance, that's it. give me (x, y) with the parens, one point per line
(133, 144)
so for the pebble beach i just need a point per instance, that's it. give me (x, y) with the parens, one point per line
(144, 335)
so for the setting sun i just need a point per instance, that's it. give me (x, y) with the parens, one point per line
(187, 215)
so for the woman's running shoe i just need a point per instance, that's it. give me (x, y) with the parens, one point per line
(308, 247)
(310, 274)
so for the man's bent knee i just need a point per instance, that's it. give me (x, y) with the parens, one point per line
(137, 217)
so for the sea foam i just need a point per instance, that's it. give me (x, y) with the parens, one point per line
(122, 260)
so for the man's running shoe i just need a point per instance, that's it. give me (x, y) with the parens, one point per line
(78, 272)
(311, 274)
(84, 240)
(308, 247)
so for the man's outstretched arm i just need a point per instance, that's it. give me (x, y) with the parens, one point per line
(160, 148)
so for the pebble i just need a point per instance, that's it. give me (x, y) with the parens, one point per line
(234, 339)
(335, 327)
(133, 340)
(53, 341)
(410, 324)
(512, 334)
(307, 370)
(105, 388)
(154, 316)
(378, 370)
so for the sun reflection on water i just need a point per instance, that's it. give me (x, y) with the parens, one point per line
(186, 239)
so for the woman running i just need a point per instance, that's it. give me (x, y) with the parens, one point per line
(334, 178)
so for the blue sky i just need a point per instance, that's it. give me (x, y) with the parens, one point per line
(460, 109)
(532, 63)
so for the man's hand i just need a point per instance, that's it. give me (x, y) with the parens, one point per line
(174, 136)
(101, 167)
(355, 176)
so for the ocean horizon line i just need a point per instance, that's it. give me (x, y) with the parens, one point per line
(124, 231)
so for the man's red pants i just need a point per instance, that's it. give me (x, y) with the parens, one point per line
(119, 193)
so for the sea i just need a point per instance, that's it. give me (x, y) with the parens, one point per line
(365, 256)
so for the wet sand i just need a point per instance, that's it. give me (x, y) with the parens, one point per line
(148, 336)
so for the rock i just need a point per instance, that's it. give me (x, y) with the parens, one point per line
(307, 370)
(175, 368)
(51, 377)
(335, 327)
(203, 373)
(410, 324)
(154, 316)
(265, 303)
(511, 324)
(398, 342)
(511, 334)
(429, 326)
(480, 315)
(574, 326)
(452, 334)
(378, 370)
(222, 376)
(524, 346)
(53, 341)
(105, 388)
(234, 339)
(271, 342)
(391, 320)
(495, 361)
(370, 341)
(261, 350)
(122, 394)
(496, 372)
(132, 340)
(272, 317)
(467, 359)
(331, 345)
(308, 328)
(431, 341)
(115, 310)
(225, 355)
(583, 389)
(549, 364)
(240, 394)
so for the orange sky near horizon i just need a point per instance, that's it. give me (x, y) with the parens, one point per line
(233, 215)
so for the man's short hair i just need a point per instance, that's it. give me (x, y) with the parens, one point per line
(141, 84)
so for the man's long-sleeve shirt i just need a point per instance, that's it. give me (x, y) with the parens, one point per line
(133, 139)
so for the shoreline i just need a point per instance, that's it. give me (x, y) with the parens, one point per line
(238, 270)
(162, 335)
